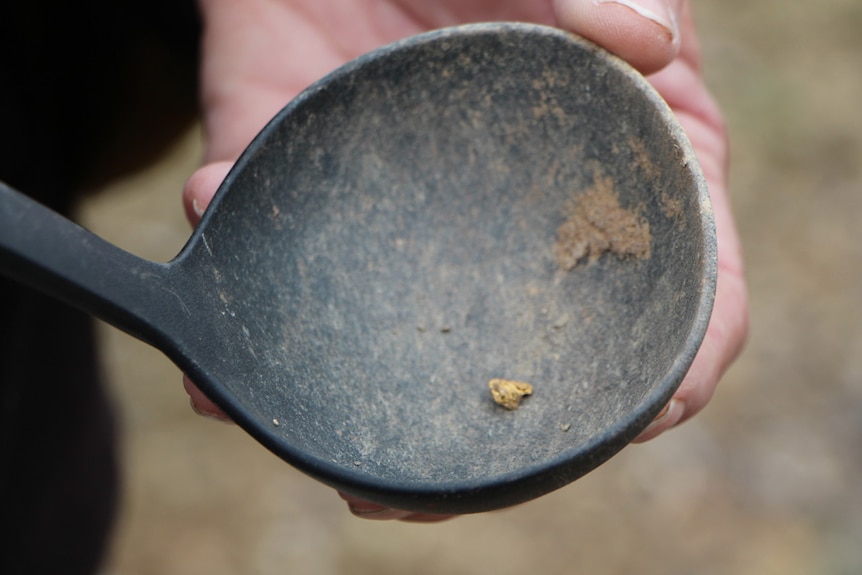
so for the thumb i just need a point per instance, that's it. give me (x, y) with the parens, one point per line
(200, 188)
(644, 33)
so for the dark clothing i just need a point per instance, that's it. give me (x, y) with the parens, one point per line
(79, 81)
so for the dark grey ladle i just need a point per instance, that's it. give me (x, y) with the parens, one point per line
(385, 247)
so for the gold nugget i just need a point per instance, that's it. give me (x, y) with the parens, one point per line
(509, 394)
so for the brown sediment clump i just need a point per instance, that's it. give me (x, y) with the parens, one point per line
(599, 225)
(509, 394)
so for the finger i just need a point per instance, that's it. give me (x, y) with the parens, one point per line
(667, 418)
(724, 340)
(200, 188)
(201, 404)
(645, 33)
(368, 510)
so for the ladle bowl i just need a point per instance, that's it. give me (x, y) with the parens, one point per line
(486, 201)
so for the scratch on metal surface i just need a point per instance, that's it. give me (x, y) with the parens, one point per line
(247, 334)
(206, 244)
(186, 309)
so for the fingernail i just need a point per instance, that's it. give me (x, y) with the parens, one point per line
(373, 511)
(199, 211)
(673, 411)
(658, 11)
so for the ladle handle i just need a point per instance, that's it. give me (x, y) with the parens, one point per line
(50, 253)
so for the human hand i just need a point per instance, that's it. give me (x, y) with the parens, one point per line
(259, 54)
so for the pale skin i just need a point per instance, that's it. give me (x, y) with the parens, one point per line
(259, 54)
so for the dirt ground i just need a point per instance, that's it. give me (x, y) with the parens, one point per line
(765, 481)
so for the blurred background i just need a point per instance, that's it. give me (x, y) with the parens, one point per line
(766, 480)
